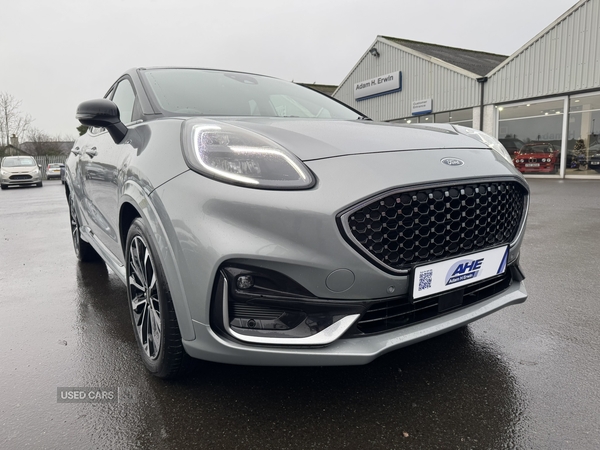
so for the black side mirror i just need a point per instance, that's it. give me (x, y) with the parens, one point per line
(102, 113)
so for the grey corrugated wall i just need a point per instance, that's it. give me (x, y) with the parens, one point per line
(564, 59)
(452, 90)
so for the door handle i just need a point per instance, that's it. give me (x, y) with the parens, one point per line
(92, 152)
(76, 151)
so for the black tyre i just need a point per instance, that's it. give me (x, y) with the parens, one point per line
(151, 307)
(3, 186)
(83, 250)
(40, 184)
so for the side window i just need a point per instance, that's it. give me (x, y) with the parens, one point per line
(124, 98)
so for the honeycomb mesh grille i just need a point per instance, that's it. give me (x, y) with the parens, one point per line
(417, 226)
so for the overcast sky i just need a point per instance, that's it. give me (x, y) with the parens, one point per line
(55, 54)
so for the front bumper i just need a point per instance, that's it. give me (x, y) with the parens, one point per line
(543, 168)
(211, 346)
(23, 179)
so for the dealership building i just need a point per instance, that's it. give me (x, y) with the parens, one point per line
(542, 101)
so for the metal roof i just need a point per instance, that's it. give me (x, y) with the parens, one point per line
(479, 63)
(327, 89)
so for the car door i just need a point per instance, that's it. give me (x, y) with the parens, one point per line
(101, 160)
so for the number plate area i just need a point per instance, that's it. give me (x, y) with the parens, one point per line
(532, 165)
(431, 279)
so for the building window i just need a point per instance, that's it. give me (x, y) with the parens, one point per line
(462, 117)
(532, 134)
(583, 143)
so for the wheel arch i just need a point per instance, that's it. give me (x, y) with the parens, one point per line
(135, 202)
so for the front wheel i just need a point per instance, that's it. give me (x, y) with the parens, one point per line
(151, 307)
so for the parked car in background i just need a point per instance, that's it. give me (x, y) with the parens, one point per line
(512, 145)
(594, 161)
(537, 157)
(20, 171)
(255, 221)
(53, 170)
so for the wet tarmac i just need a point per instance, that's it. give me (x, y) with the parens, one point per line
(523, 378)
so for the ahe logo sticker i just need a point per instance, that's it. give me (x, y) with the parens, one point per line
(463, 270)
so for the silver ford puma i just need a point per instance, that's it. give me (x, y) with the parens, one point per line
(255, 221)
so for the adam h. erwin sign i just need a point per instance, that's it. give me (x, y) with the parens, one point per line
(383, 84)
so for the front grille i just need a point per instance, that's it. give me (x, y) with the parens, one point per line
(20, 177)
(392, 314)
(411, 227)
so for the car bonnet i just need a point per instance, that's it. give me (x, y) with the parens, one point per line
(311, 139)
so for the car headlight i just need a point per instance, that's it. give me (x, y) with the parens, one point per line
(4, 172)
(234, 155)
(486, 139)
(34, 171)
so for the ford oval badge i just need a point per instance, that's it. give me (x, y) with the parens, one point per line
(453, 161)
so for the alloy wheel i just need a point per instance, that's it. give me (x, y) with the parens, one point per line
(143, 288)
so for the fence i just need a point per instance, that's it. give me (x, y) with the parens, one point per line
(49, 159)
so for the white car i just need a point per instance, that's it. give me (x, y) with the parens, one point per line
(53, 170)
(19, 170)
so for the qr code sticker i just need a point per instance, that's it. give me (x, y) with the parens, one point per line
(425, 279)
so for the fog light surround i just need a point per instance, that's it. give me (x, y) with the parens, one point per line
(274, 309)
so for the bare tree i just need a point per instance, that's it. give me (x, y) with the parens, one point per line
(37, 142)
(12, 120)
(41, 143)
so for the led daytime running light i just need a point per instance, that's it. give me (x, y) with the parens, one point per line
(236, 155)
(200, 148)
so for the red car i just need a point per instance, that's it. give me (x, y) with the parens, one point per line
(537, 157)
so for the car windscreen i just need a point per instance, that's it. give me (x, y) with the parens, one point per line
(537, 149)
(18, 162)
(213, 93)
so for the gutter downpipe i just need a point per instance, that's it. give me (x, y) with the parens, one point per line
(481, 81)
